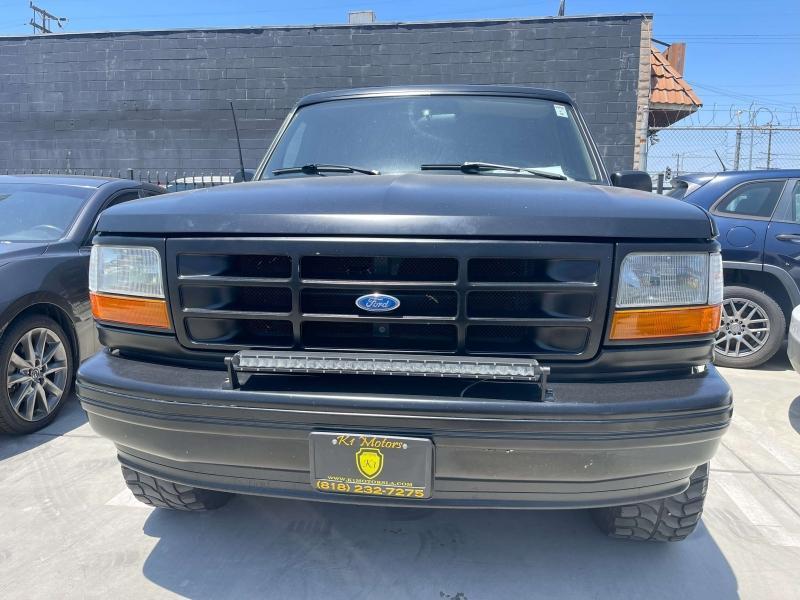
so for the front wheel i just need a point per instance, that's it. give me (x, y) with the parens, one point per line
(670, 519)
(35, 373)
(751, 329)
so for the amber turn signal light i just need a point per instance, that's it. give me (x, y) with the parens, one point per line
(127, 310)
(664, 322)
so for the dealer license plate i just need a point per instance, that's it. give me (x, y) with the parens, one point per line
(371, 465)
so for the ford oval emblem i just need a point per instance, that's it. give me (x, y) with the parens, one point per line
(377, 303)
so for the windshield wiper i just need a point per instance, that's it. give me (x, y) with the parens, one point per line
(473, 166)
(314, 169)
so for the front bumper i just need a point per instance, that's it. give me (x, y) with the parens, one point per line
(598, 444)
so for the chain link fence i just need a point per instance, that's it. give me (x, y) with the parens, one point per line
(675, 150)
(670, 151)
(176, 180)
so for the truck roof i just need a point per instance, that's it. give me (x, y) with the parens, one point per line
(430, 90)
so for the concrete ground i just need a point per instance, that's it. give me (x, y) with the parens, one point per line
(69, 529)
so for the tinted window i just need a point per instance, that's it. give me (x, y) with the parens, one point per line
(397, 135)
(757, 199)
(126, 197)
(793, 214)
(33, 212)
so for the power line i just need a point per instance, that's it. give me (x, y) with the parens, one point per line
(741, 95)
(46, 18)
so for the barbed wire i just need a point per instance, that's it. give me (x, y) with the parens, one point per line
(754, 114)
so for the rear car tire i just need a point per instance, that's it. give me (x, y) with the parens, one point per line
(36, 373)
(164, 494)
(752, 329)
(669, 519)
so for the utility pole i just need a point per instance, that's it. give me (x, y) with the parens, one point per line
(562, 6)
(738, 150)
(769, 147)
(46, 18)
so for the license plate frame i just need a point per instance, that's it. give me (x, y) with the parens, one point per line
(368, 464)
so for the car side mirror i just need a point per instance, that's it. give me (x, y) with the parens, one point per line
(635, 180)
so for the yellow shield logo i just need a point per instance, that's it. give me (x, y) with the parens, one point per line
(369, 462)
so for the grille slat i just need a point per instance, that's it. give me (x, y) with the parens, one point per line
(509, 298)
(235, 265)
(239, 298)
(543, 270)
(530, 305)
(374, 268)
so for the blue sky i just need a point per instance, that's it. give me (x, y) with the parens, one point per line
(739, 51)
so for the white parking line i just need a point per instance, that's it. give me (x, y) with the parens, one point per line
(761, 507)
(766, 440)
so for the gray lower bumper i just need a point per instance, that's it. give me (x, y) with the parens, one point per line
(599, 444)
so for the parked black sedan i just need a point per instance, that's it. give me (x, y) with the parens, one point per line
(46, 228)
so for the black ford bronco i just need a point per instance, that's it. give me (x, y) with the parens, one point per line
(432, 297)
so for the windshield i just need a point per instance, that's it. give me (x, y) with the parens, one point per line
(398, 135)
(32, 212)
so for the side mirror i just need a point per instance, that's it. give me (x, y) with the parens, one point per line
(635, 180)
(248, 175)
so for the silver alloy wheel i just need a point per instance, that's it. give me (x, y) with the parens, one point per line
(744, 328)
(37, 374)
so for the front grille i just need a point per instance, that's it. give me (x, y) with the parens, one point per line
(504, 298)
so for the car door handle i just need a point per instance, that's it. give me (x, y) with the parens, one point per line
(788, 237)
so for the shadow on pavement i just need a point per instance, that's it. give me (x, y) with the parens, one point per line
(69, 418)
(779, 362)
(258, 547)
(794, 414)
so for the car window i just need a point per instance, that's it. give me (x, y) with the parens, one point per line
(119, 199)
(794, 205)
(34, 212)
(125, 197)
(756, 199)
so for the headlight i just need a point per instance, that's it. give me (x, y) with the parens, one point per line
(664, 280)
(126, 286)
(689, 283)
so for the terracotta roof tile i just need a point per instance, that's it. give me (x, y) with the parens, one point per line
(667, 86)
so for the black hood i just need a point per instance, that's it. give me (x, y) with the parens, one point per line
(413, 205)
(14, 250)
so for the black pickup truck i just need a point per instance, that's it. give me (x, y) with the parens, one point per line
(431, 297)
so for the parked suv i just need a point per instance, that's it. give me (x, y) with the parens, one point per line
(758, 217)
(433, 297)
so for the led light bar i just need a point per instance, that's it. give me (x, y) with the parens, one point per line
(257, 361)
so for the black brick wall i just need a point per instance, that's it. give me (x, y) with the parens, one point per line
(158, 100)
